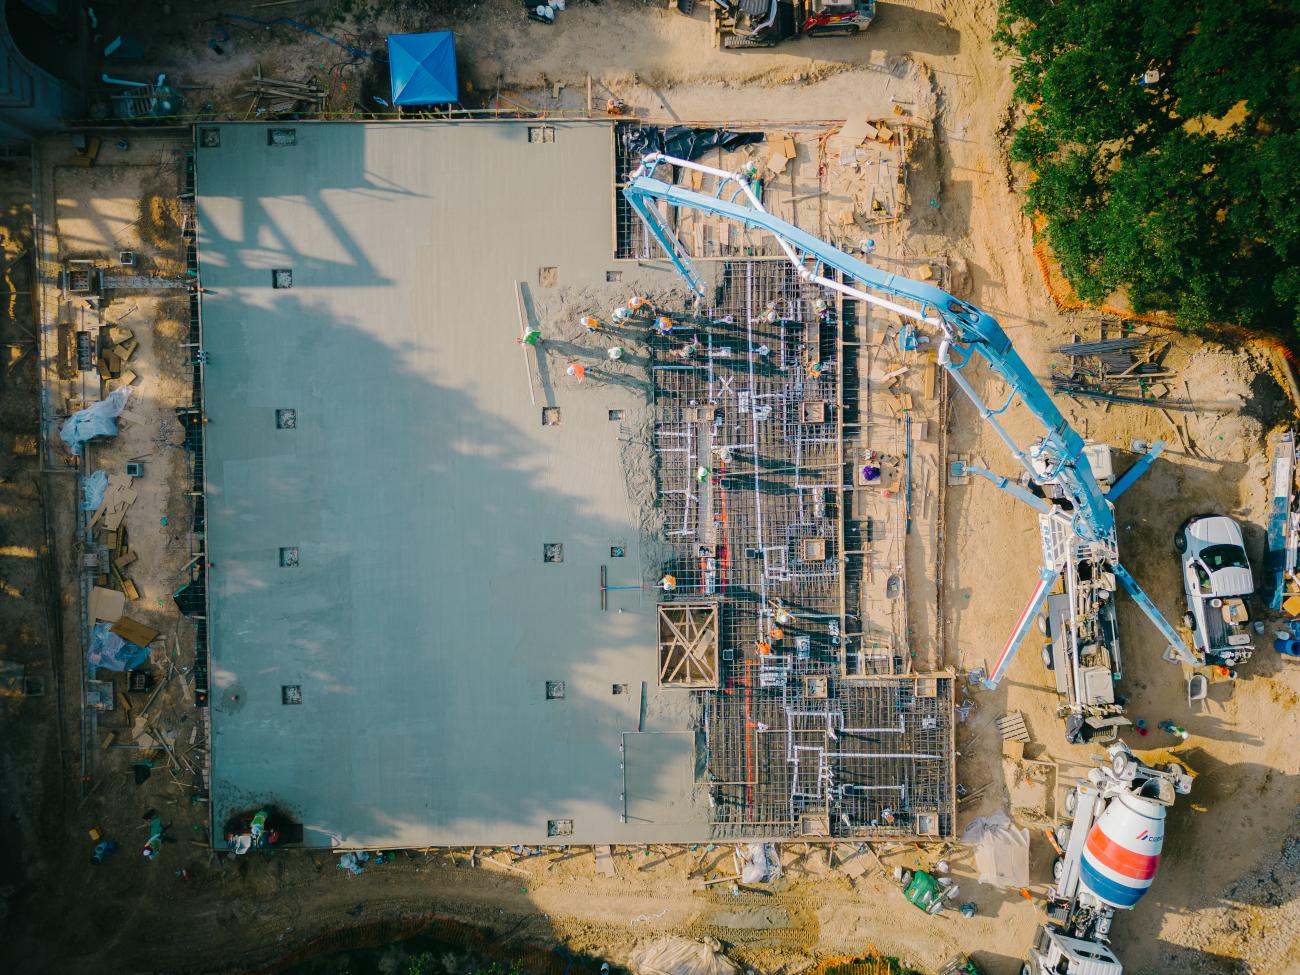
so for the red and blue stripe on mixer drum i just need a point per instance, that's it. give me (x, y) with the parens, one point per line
(1120, 872)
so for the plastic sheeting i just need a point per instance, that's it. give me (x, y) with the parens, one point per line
(92, 490)
(110, 652)
(681, 141)
(1001, 851)
(96, 420)
(351, 862)
(681, 956)
(759, 862)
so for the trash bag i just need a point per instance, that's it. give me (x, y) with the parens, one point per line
(351, 862)
(1076, 733)
(759, 863)
(96, 420)
(111, 652)
(92, 490)
(681, 956)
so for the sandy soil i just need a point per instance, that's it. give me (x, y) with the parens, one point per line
(1225, 900)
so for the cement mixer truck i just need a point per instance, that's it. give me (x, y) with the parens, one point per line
(1111, 850)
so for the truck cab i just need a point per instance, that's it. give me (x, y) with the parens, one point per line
(1217, 582)
(839, 16)
(1055, 953)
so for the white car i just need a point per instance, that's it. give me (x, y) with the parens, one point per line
(1217, 581)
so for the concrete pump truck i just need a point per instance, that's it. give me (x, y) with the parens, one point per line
(1112, 846)
(1076, 514)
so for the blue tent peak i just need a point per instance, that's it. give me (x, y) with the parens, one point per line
(422, 68)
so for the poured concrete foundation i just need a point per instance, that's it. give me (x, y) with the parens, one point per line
(421, 624)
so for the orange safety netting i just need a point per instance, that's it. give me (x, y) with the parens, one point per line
(1064, 297)
(870, 964)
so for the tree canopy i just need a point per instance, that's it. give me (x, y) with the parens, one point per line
(1183, 191)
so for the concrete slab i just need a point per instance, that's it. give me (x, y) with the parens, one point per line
(659, 776)
(419, 620)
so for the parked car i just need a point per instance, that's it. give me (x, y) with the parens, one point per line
(1218, 583)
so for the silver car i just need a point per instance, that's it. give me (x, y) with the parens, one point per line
(1218, 582)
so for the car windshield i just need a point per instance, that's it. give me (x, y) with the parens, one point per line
(1224, 557)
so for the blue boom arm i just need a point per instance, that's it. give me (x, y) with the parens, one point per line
(1057, 457)
(967, 328)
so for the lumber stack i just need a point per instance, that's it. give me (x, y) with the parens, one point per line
(281, 97)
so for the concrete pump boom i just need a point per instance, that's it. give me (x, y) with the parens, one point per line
(1057, 458)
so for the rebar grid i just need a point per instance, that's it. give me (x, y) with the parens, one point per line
(761, 515)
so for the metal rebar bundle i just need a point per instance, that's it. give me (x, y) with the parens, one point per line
(1102, 347)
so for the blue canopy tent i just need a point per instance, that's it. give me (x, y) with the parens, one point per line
(422, 68)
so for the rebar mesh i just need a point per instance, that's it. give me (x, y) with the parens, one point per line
(813, 730)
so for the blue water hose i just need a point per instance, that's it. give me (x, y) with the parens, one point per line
(306, 29)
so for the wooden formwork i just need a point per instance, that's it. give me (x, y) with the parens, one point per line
(688, 645)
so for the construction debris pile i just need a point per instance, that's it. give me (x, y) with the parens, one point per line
(846, 183)
(277, 96)
(1128, 369)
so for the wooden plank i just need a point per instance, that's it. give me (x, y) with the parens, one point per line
(133, 631)
(1011, 727)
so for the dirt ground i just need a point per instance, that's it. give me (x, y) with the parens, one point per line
(1225, 900)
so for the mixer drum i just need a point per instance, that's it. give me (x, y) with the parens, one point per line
(1123, 850)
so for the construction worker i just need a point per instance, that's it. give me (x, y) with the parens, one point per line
(153, 845)
(688, 350)
(615, 353)
(577, 370)
(638, 304)
(776, 634)
(664, 325)
(763, 647)
(621, 314)
(590, 323)
(702, 473)
(668, 583)
(532, 336)
(1175, 729)
(258, 827)
(780, 615)
(815, 369)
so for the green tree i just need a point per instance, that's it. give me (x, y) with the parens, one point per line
(1185, 192)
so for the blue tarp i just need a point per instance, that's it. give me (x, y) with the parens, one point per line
(422, 68)
(111, 652)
